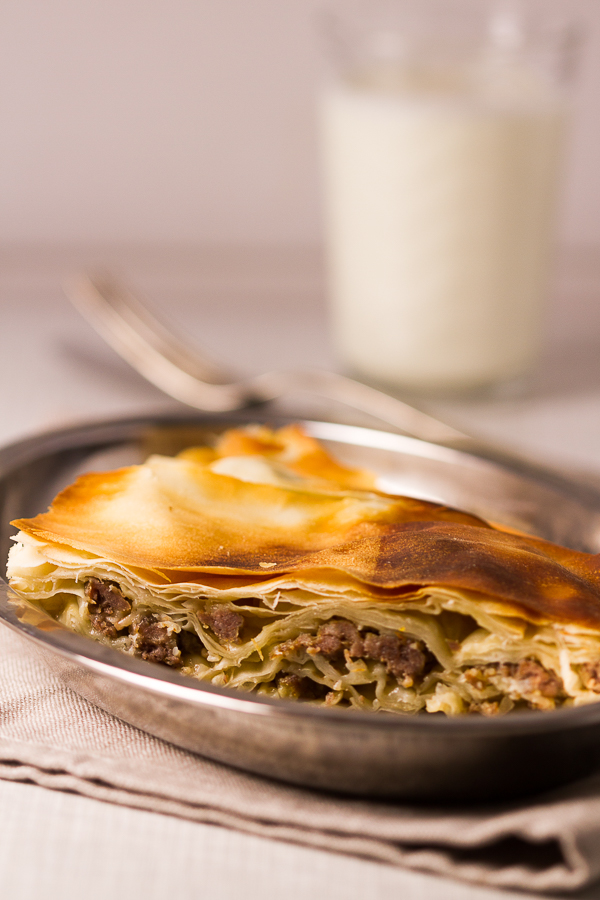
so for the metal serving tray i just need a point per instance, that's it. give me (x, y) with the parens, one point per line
(424, 757)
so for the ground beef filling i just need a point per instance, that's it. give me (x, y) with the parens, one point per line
(486, 708)
(525, 680)
(404, 658)
(107, 606)
(298, 687)
(225, 623)
(155, 639)
(590, 676)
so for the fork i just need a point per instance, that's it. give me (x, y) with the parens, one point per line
(135, 333)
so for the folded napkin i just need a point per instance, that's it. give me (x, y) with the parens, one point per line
(52, 737)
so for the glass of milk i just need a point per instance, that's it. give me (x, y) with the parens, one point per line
(442, 136)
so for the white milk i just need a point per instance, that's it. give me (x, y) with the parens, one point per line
(439, 207)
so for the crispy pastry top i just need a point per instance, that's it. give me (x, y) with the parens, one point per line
(189, 515)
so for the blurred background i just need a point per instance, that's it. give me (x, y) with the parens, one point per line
(177, 142)
(193, 122)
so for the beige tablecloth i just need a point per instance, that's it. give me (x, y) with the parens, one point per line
(51, 737)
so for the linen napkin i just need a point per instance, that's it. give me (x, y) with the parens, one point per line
(52, 737)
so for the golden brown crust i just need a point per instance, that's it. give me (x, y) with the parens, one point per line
(299, 451)
(179, 517)
(172, 513)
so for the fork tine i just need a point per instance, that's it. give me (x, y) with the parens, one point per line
(147, 345)
(128, 325)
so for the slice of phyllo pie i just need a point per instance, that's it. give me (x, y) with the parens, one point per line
(263, 564)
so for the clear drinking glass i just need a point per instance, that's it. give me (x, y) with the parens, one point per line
(442, 134)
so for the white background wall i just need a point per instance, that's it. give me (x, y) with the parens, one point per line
(191, 121)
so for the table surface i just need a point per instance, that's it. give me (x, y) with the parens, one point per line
(256, 310)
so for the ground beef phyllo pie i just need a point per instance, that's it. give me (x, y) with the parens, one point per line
(263, 564)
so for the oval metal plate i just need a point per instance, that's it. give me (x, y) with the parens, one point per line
(424, 757)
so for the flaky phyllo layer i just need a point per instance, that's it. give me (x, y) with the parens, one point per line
(262, 564)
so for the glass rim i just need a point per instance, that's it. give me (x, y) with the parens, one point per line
(359, 31)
